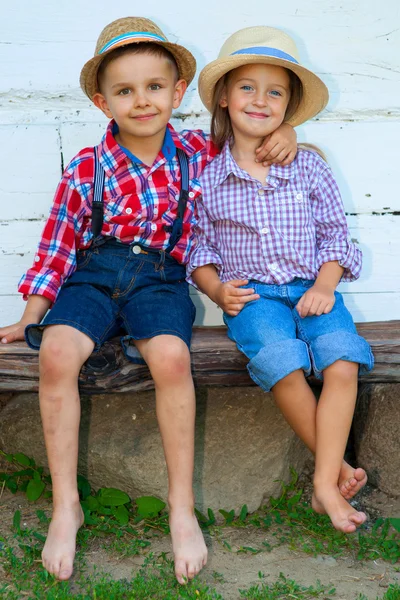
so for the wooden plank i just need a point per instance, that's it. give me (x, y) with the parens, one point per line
(215, 361)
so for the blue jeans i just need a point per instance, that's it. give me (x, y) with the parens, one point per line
(277, 341)
(121, 287)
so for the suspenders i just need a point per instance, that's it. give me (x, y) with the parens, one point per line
(175, 229)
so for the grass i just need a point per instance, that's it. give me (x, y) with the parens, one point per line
(125, 529)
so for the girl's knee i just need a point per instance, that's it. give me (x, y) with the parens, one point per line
(343, 371)
(293, 380)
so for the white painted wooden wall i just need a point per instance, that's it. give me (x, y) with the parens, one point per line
(354, 45)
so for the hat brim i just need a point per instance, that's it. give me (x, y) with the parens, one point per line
(315, 94)
(184, 59)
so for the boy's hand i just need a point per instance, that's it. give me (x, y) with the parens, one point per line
(279, 147)
(232, 298)
(318, 300)
(13, 333)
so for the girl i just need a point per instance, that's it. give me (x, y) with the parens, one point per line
(273, 246)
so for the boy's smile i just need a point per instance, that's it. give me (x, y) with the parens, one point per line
(140, 91)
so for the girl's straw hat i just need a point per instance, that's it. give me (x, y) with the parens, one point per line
(269, 46)
(132, 30)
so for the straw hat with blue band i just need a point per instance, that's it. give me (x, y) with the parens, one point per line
(271, 46)
(132, 30)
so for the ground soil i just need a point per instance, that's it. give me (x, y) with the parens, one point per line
(230, 571)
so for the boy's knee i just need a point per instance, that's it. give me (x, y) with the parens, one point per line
(58, 357)
(170, 361)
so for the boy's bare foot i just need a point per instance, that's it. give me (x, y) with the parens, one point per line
(189, 548)
(351, 480)
(59, 550)
(328, 500)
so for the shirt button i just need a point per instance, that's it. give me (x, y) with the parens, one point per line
(156, 211)
(177, 197)
(37, 258)
(128, 211)
(299, 196)
(153, 227)
(260, 192)
(191, 194)
(150, 178)
(265, 230)
(273, 266)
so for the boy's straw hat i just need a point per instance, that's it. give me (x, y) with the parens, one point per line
(269, 46)
(132, 30)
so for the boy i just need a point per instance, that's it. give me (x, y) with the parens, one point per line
(132, 275)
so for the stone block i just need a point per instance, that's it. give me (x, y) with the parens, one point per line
(243, 446)
(377, 435)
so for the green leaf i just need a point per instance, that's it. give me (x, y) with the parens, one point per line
(39, 536)
(121, 513)
(22, 459)
(200, 517)
(17, 521)
(9, 457)
(228, 516)
(11, 484)
(92, 503)
(149, 506)
(34, 490)
(243, 513)
(112, 497)
(41, 515)
(395, 523)
(211, 516)
(84, 487)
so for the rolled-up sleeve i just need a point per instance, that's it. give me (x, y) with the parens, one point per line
(333, 239)
(205, 249)
(55, 259)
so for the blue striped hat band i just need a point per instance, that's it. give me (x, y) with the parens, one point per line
(265, 51)
(137, 36)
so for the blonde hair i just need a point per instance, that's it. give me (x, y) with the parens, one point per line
(221, 127)
(313, 148)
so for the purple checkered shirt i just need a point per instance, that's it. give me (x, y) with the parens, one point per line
(275, 232)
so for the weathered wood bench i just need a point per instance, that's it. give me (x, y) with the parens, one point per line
(215, 362)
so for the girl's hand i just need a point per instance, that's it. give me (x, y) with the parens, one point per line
(279, 147)
(318, 300)
(232, 298)
(13, 333)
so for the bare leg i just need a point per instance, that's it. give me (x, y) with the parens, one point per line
(62, 353)
(297, 403)
(334, 415)
(169, 361)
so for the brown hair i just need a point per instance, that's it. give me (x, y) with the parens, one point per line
(221, 128)
(139, 48)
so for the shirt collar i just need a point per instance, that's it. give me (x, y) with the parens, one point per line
(228, 165)
(112, 154)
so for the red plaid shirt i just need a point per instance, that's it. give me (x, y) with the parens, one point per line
(139, 201)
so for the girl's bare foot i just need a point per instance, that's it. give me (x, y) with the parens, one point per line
(328, 500)
(189, 548)
(59, 550)
(351, 480)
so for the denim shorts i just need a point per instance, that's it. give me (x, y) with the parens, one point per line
(277, 341)
(122, 289)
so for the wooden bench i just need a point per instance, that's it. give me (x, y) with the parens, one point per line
(215, 362)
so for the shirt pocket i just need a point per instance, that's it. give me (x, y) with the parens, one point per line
(292, 215)
(194, 194)
(126, 210)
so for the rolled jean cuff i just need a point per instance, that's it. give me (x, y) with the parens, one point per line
(341, 345)
(276, 361)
